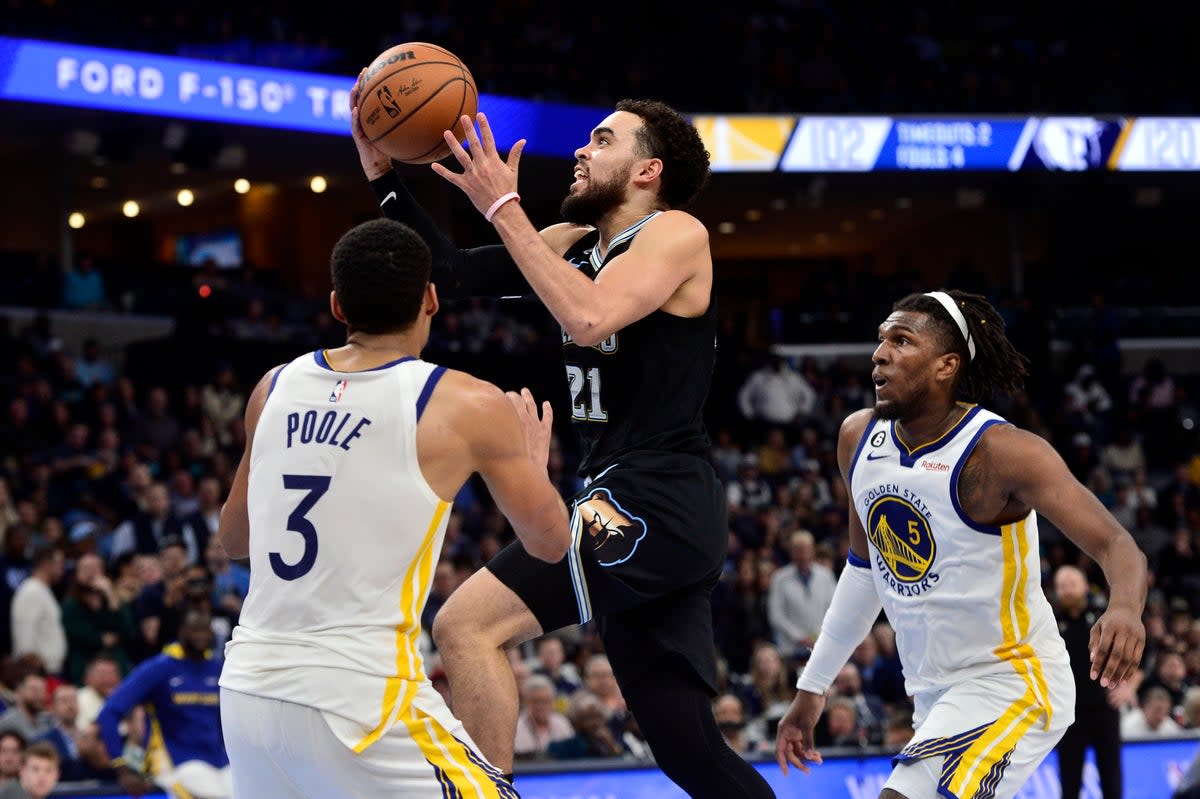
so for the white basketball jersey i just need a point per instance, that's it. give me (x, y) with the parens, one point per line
(965, 599)
(344, 536)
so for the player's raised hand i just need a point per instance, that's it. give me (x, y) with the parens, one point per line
(375, 162)
(538, 432)
(1116, 645)
(486, 177)
(794, 741)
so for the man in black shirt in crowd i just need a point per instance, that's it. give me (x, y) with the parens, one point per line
(1097, 723)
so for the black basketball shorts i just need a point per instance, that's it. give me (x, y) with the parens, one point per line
(649, 539)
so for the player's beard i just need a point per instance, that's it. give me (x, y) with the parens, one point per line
(905, 408)
(590, 205)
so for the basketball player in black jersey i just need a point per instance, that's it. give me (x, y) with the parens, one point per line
(629, 278)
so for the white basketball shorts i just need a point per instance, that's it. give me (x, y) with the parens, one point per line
(983, 738)
(284, 750)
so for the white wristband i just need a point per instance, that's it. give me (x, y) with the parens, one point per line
(501, 200)
(853, 611)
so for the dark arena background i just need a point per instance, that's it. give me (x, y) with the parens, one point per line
(175, 175)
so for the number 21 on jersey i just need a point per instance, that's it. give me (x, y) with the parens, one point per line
(585, 394)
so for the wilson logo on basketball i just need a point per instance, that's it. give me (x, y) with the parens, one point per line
(614, 533)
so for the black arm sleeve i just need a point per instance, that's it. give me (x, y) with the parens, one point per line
(476, 272)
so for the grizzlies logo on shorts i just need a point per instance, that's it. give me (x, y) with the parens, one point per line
(612, 533)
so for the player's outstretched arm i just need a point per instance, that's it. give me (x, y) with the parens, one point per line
(1039, 478)
(510, 445)
(234, 529)
(854, 609)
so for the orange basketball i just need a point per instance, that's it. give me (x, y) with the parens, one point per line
(410, 95)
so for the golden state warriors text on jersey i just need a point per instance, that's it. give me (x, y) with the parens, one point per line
(964, 598)
(899, 528)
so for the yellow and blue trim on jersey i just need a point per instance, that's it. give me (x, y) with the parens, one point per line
(1014, 618)
(910, 455)
(402, 686)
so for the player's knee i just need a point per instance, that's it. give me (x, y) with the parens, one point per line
(483, 612)
(452, 627)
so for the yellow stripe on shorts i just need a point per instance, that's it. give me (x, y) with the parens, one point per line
(962, 773)
(461, 772)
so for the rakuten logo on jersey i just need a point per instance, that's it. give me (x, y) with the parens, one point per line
(934, 466)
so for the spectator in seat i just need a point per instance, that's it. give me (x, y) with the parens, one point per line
(77, 750)
(38, 776)
(83, 287)
(94, 619)
(1152, 719)
(28, 717)
(552, 662)
(100, 679)
(598, 679)
(799, 595)
(37, 625)
(776, 394)
(593, 738)
(539, 725)
(731, 720)
(12, 749)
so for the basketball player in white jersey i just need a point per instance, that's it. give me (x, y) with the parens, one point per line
(945, 498)
(353, 456)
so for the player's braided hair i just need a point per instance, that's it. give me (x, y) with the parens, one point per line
(667, 135)
(997, 367)
(380, 269)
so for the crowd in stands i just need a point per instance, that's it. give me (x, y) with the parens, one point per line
(111, 482)
(774, 55)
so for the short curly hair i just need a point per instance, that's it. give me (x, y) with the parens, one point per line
(379, 271)
(667, 135)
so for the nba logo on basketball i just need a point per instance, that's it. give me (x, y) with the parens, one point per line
(339, 388)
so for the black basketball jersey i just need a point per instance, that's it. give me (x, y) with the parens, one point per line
(644, 387)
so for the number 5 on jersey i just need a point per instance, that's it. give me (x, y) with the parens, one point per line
(316, 486)
(586, 409)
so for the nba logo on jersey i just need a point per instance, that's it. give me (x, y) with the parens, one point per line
(339, 388)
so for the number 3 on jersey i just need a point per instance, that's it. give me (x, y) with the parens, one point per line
(316, 486)
(586, 409)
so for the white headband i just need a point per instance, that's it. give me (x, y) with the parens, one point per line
(951, 307)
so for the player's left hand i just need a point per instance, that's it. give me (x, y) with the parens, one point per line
(485, 176)
(1116, 645)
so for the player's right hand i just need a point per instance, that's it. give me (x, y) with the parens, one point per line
(375, 162)
(794, 741)
(1117, 641)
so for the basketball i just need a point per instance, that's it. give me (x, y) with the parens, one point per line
(410, 95)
